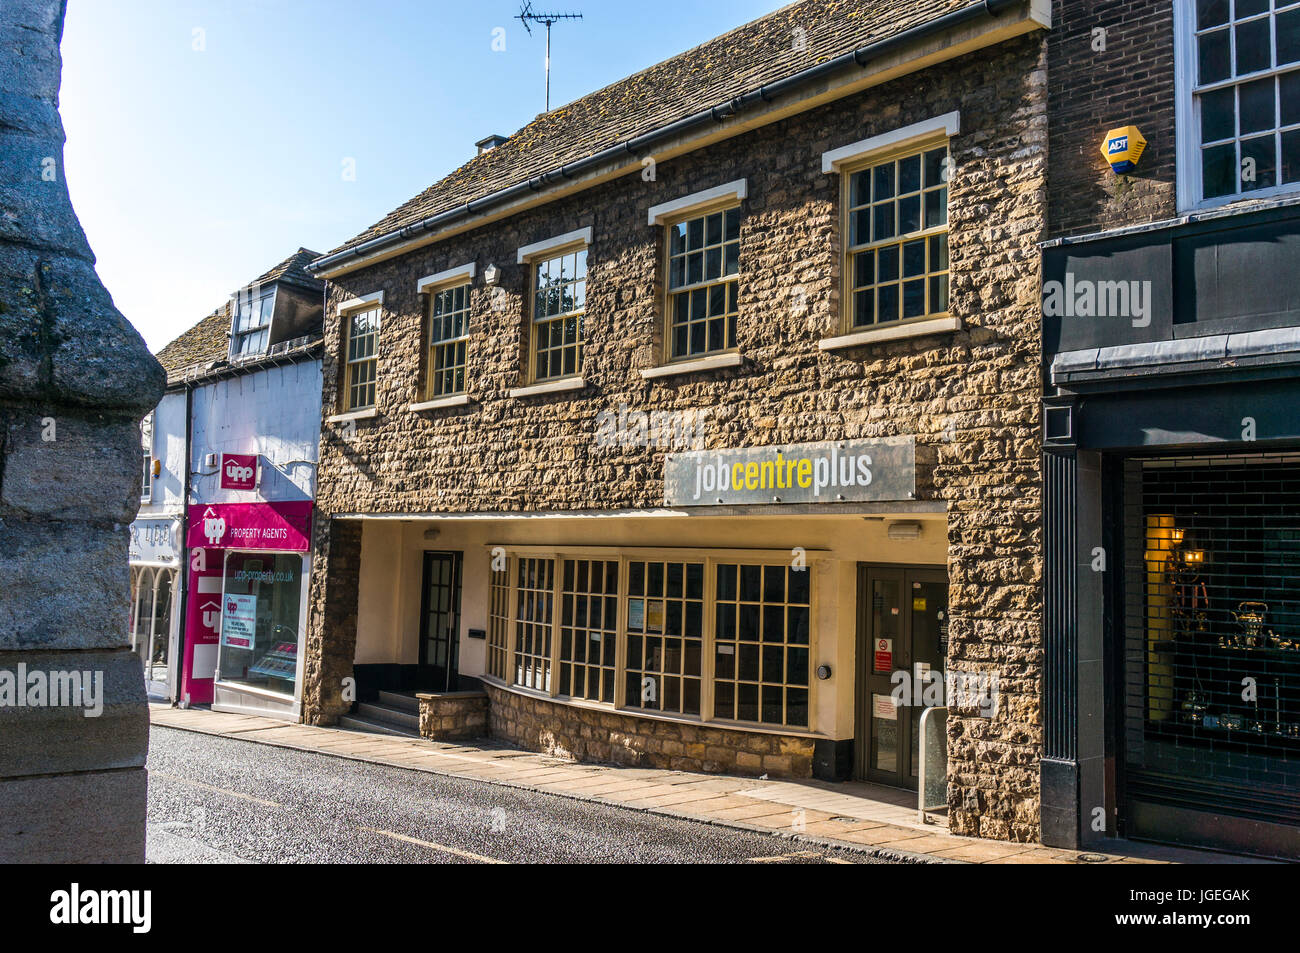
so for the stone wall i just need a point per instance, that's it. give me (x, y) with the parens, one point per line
(970, 397)
(453, 716)
(75, 380)
(1090, 91)
(590, 734)
(331, 617)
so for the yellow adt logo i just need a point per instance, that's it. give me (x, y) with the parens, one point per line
(1123, 148)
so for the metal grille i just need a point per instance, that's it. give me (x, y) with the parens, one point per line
(1212, 632)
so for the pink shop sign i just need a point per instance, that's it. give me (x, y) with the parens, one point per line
(284, 526)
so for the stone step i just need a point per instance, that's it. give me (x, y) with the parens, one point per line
(370, 726)
(388, 715)
(400, 700)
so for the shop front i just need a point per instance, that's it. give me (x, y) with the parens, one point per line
(154, 625)
(1172, 576)
(726, 631)
(248, 572)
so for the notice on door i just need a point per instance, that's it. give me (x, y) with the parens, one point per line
(238, 621)
(884, 662)
(882, 706)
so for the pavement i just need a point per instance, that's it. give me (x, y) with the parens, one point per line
(870, 820)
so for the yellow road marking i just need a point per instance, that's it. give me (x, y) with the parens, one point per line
(215, 790)
(798, 855)
(432, 846)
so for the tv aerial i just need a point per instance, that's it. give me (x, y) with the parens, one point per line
(525, 16)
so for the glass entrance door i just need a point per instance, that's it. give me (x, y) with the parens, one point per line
(440, 622)
(902, 647)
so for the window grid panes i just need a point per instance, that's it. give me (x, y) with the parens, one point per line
(146, 452)
(1247, 96)
(703, 264)
(362, 363)
(252, 325)
(533, 615)
(588, 628)
(760, 649)
(898, 238)
(498, 635)
(761, 644)
(448, 339)
(559, 302)
(665, 636)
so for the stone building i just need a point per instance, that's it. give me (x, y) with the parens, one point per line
(696, 424)
(1171, 339)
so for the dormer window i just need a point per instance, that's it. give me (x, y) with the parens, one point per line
(252, 324)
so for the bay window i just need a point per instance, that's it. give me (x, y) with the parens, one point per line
(699, 638)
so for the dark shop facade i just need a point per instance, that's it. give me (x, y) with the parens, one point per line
(1172, 531)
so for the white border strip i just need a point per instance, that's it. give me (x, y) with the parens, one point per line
(360, 304)
(442, 277)
(738, 189)
(949, 124)
(568, 238)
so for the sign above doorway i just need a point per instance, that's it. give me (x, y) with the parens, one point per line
(833, 471)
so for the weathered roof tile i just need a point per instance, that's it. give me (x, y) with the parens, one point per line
(720, 69)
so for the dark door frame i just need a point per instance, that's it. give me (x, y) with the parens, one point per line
(430, 676)
(863, 668)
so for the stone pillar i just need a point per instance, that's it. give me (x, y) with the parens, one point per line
(75, 379)
(332, 618)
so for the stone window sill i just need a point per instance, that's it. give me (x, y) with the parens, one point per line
(453, 400)
(549, 387)
(893, 332)
(353, 415)
(693, 367)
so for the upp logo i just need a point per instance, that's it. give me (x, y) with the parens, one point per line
(214, 526)
(238, 471)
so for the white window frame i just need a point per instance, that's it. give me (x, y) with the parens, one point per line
(1189, 186)
(858, 156)
(946, 125)
(257, 300)
(729, 193)
(147, 424)
(532, 256)
(346, 310)
(434, 285)
(711, 558)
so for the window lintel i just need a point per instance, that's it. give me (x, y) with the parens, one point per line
(448, 276)
(527, 253)
(659, 214)
(949, 124)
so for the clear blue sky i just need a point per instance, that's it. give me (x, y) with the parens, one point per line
(194, 170)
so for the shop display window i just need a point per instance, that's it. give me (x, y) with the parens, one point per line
(260, 624)
(1212, 626)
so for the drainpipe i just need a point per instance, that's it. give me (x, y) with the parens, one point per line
(185, 552)
(639, 145)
